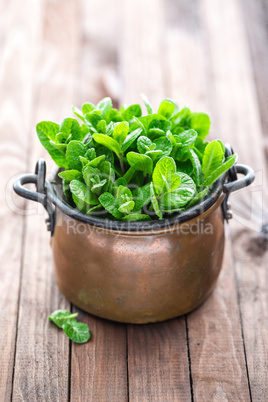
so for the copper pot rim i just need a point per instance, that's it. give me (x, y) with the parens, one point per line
(196, 213)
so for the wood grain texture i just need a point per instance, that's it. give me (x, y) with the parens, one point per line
(42, 354)
(158, 362)
(157, 354)
(256, 26)
(15, 112)
(99, 367)
(216, 345)
(142, 49)
(216, 348)
(208, 54)
(237, 113)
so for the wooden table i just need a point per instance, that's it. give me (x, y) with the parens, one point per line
(208, 54)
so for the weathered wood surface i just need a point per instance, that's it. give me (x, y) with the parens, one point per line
(205, 53)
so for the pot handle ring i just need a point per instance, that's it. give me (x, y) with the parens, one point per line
(40, 195)
(233, 183)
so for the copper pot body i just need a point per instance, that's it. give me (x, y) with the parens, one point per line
(139, 277)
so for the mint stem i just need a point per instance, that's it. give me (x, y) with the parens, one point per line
(70, 316)
(146, 179)
(122, 163)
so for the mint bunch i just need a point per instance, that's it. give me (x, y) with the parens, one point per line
(121, 165)
(76, 331)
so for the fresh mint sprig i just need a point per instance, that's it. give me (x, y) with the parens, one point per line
(122, 165)
(76, 331)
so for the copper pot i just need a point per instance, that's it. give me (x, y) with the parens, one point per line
(136, 272)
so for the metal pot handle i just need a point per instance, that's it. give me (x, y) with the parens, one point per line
(245, 181)
(39, 179)
(233, 183)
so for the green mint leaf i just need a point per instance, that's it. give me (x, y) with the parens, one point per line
(77, 331)
(102, 127)
(75, 149)
(147, 104)
(154, 133)
(70, 175)
(200, 122)
(143, 144)
(98, 187)
(95, 162)
(175, 181)
(91, 210)
(46, 131)
(140, 162)
(167, 108)
(113, 116)
(181, 118)
(107, 173)
(131, 111)
(84, 161)
(158, 122)
(82, 193)
(90, 154)
(154, 155)
(60, 317)
(139, 123)
(186, 138)
(89, 172)
(131, 137)
(119, 182)
(163, 144)
(78, 113)
(198, 197)
(120, 132)
(136, 217)
(141, 196)
(179, 197)
(87, 108)
(228, 163)
(222, 146)
(71, 127)
(127, 207)
(155, 202)
(109, 203)
(105, 105)
(199, 148)
(87, 140)
(108, 142)
(123, 194)
(109, 156)
(129, 174)
(165, 167)
(61, 138)
(92, 119)
(212, 159)
(60, 147)
(197, 170)
(185, 167)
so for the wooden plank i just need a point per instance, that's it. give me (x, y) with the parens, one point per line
(185, 66)
(15, 29)
(237, 113)
(99, 368)
(98, 70)
(142, 45)
(157, 354)
(158, 362)
(216, 346)
(256, 25)
(42, 355)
